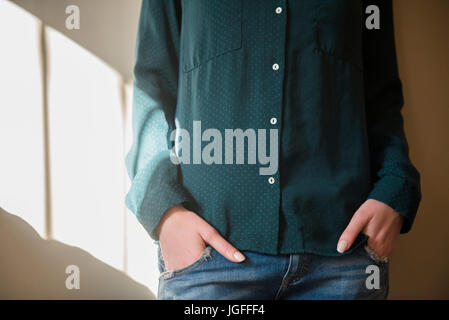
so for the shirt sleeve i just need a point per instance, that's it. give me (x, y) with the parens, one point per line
(396, 181)
(156, 182)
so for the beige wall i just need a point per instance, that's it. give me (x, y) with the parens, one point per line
(107, 29)
(420, 265)
(34, 268)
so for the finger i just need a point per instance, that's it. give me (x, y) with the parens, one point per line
(355, 226)
(212, 237)
(379, 248)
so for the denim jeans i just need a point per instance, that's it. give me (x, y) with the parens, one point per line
(283, 277)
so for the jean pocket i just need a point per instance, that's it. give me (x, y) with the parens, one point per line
(171, 274)
(338, 30)
(160, 261)
(371, 254)
(210, 28)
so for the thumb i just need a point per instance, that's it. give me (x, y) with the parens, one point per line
(212, 237)
(355, 226)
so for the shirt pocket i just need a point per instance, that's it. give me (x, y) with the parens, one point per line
(338, 29)
(210, 28)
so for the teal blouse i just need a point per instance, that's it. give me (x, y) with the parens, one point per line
(308, 68)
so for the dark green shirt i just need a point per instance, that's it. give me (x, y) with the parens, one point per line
(308, 68)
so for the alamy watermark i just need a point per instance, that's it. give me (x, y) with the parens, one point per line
(73, 280)
(373, 20)
(373, 280)
(210, 147)
(72, 22)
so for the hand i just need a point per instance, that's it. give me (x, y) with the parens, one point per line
(183, 236)
(377, 220)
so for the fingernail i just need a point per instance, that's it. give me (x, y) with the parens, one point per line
(240, 257)
(342, 246)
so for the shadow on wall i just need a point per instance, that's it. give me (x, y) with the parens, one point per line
(34, 268)
(108, 29)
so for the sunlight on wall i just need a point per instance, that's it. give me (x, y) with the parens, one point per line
(21, 157)
(86, 150)
(88, 142)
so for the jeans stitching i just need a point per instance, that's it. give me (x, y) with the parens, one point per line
(284, 278)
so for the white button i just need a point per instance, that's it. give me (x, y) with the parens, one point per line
(278, 10)
(275, 67)
(273, 120)
(270, 180)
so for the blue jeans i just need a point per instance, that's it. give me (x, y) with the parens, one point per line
(283, 277)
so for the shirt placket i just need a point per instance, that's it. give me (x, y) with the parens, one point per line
(278, 23)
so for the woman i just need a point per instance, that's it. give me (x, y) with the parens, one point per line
(323, 90)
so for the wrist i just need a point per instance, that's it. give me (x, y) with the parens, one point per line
(167, 215)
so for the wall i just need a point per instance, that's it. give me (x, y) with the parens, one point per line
(108, 28)
(420, 264)
(34, 268)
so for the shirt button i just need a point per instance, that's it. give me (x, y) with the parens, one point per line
(278, 10)
(273, 120)
(275, 67)
(270, 180)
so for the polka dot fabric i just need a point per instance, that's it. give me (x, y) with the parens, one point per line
(336, 106)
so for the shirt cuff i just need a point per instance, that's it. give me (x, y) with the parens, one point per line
(400, 195)
(156, 202)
